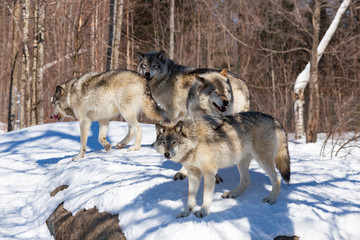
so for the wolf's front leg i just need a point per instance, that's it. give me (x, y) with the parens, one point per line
(182, 174)
(84, 132)
(194, 182)
(209, 186)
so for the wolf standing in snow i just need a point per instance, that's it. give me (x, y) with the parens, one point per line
(206, 144)
(99, 97)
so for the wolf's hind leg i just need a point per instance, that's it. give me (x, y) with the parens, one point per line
(243, 167)
(103, 128)
(84, 132)
(127, 138)
(275, 180)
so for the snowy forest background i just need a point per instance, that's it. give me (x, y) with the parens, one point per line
(267, 42)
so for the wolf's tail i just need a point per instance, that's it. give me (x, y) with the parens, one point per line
(151, 109)
(282, 159)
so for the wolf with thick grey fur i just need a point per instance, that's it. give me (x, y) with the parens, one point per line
(100, 97)
(204, 145)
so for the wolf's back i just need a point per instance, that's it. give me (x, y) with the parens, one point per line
(282, 159)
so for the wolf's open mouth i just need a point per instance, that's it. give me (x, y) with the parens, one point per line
(148, 78)
(56, 117)
(221, 109)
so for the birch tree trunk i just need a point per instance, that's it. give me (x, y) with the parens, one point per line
(14, 68)
(303, 78)
(172, 28)
(25, 103)
(34, 67)
(40, 46)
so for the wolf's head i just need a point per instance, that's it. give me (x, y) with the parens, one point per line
(61, 107)
(215, 93)
(152, 65)
(173, 142)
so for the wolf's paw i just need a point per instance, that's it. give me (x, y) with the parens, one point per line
(77, 157)
(201, 213)
(269, 200)
(218, 179)
(227, 195)
(179, 176)
(120, 145)
(107, 146)
(183, 214)
(133, 148)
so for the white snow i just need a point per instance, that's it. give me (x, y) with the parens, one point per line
(321, 202)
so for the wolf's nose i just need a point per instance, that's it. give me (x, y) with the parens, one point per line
(147, 74)
(226, 102)
(167, 154)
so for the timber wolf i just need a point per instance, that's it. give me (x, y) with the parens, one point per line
(185, 91)
(99, 97)
(204, 145)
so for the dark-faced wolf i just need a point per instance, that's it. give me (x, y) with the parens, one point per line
(204, 145)
(100, 97)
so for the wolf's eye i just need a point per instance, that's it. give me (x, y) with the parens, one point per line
(163, 143)
(175, 142)
(155, 66)
(143, 65)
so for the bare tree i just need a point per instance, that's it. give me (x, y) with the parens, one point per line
(314, 95)
(111, 35)
(128, 40)
(13, 91)
(118, 9)
(25, 93)
(172, 28)
(303, 78)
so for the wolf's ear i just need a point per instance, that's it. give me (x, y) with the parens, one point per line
(223, 72)
(59, 92)
(140, 56)
(162, 56)
(179, 127)
(159, 129)
(202, 80)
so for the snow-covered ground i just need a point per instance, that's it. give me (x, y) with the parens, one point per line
(321, 202)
